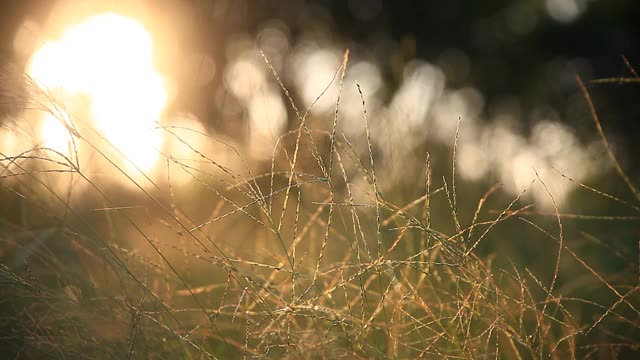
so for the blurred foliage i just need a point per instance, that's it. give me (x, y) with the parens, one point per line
(128, 273)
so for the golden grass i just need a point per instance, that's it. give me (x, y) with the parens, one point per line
(302, 262)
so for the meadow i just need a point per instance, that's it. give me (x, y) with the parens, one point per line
(307, 253)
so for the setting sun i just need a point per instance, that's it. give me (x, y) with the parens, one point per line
(109, 59)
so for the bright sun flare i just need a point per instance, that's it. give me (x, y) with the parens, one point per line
(108, 58)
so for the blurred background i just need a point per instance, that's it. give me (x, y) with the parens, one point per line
(506, 69)
(173, 96)
(163, 82)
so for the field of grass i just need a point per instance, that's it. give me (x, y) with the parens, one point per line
(304, 256)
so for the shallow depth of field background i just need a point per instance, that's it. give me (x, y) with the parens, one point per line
(142, 132)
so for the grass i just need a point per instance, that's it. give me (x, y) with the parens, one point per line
(307, 258)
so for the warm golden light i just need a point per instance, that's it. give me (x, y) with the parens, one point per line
(54, 134)
(108, 58)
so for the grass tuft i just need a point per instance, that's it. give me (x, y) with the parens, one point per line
(308, 259)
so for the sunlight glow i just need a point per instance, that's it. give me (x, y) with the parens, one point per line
(313, 71)
(267, 120)
(54, 134)
(186, 140)
(108, 58)
(8, 147)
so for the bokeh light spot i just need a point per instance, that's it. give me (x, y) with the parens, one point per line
(108, 58)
